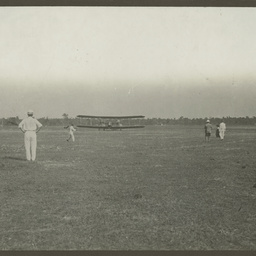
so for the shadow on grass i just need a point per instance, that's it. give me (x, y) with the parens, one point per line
(14, 158)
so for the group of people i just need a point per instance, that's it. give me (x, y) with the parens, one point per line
(220, 130)
(30, 126)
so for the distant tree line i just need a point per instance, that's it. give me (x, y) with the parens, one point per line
(14, 121)
(201, 121)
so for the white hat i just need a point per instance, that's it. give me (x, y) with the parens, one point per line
(30, 111)
(208, 121)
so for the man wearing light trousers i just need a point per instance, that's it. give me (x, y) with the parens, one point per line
(30, 127)
(222, 129)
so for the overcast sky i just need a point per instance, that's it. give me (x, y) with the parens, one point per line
(158, 62)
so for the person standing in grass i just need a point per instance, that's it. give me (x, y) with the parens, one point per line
(71, 132)
(217, 131)
(30, 127)
(208, 130)
(222, 129)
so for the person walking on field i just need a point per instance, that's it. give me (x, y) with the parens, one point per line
(71, 132)
(30, 127)
(208, 130)
(222, 130)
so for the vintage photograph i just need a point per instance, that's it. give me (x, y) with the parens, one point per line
(127, 128)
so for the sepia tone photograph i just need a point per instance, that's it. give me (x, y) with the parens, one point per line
(127, 128)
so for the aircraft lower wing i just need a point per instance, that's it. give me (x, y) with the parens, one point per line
(112, 127)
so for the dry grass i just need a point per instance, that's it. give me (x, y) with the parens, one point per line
(158, 188)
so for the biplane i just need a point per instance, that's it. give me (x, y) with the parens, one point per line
(111, 122)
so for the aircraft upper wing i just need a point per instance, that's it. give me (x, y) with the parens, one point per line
(109, 117)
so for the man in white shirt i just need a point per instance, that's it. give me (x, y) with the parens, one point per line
(30, 127)
(71, 132)
(222, 129)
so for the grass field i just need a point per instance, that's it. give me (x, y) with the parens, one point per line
(157, 188)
